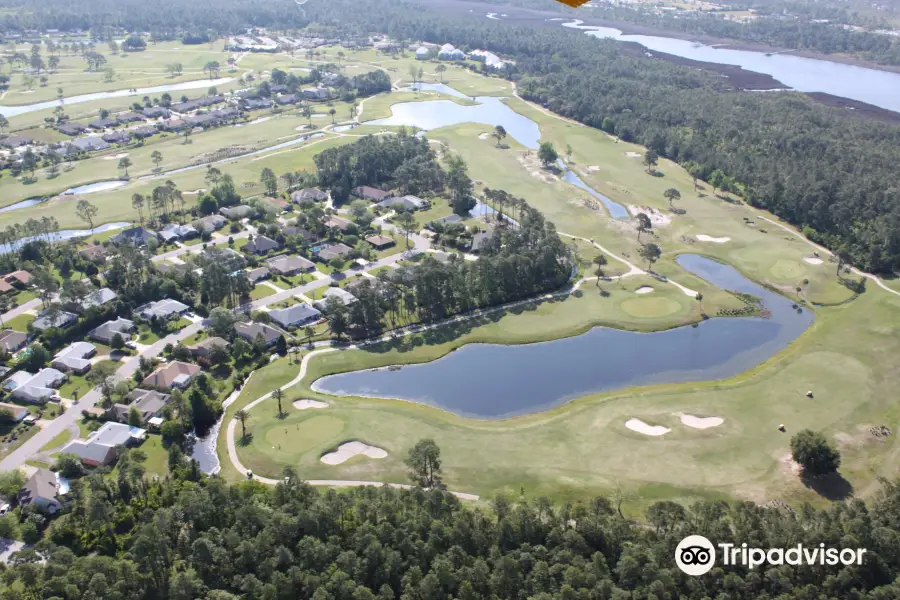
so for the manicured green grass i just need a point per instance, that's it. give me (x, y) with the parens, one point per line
(261, 291)
(19, 323)
(57, 441)
(157, 462)
(146, 335)
(24, 296)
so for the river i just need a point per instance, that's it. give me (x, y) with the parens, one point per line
(15, 110)
(879, 88)
(490, 381)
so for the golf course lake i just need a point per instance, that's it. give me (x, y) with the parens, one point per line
(493, 381)
(873, 86)
(68, 234)
(14, 110)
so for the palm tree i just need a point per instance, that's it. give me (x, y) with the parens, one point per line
(242, 416)
(278, 394)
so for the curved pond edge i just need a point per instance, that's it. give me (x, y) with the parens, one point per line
(690, 374)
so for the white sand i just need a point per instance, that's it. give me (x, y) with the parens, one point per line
(657, 218)
(641, 427)
(813, 260)
(701, 422)
(644, 290)
(305, 404)
(116, 157)
(716, 240)
(484, 136)
(319, 116)
(593, 168)
(347, 451)
(633, 154)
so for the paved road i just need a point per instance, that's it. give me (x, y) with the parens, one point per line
(198, 248)
(69, 418)
(33, 304)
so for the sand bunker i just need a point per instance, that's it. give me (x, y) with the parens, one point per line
(484, 136)
(641, 427)
(116, 157)
(701, 422)
(347, 451)
(593, 168)
(633, 154)
(305, 404)
(644, 290)
(715, 240)
(813, 260)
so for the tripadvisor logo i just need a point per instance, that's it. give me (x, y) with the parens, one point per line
(695, 555)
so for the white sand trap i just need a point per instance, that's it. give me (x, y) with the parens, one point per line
(701, 422)
(641, 427)
(633, 154)
(319, 116)
(116, 157)
(305, 404)
(484, 136)
(594, 168)
(715, 240)
(347, 451)
(813, 260)
(644, 290)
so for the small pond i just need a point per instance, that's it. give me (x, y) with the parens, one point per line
(616, 210)
(492, 381)
(67, 234)
(22, 204)
(91, 188)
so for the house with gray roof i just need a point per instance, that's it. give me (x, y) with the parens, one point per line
(106, 332)
(296, 315)
(148, 403)
(236, 213)
(308, 195)
(210, 223)
(72, 129)
(290, 265)
(134, 236)
(46, 320)
(163, 309)
(41, 491)
(250, 331)
(35, 388)
(409, 203)
(343, 295)
(328, 252)
(175, 232)
(12, 341)
(98, 298)
(261, 245)
(89, 143)
(75, 358)
(100, 446)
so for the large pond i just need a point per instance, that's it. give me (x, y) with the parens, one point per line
(67, 234)
(880, 88)
(492, 381)
(12, 111)
(100, 186)
(487, 110)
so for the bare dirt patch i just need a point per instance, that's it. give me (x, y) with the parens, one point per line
(531, 164)
(657, 218)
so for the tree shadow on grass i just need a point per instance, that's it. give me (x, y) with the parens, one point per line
(246, 440)
(831, 487)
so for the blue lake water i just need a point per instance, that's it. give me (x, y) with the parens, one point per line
(67, 234)
(616, 210)
(22, 204)
(493, 381)
(100, 186)
(487, 110)
(880, 88)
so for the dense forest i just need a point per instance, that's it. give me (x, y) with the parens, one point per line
(188, 537)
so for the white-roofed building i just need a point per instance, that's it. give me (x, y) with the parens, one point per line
(34, 388)
(100, 447)
(75, 358)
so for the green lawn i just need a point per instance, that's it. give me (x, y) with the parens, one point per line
(19, 323)
(146, 335)
(157, 457)
(59, 440)
(261, 291)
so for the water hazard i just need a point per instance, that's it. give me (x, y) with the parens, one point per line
(493, 381)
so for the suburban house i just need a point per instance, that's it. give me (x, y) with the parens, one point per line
(308, 195)
(34, 389)
(47, 320)
(163, 309)
(106, 332)
(335, 292)
(129, 116)
(175, 374)
(203, 349)
(101, 124)
(117, 137)
(369, 193)
(296, 315)
(287, 99)
(338, 223)
(135, 236)
(75, 358)
(261, 245)
(290, 265)
(328, 252)
(444, 221)
(174, 232)
(156, 112)
(292, 230)
(72, 129)
(15, 141)
(235, 213)
(5, 287)
(20, 278)
(149, 404)
(409, 203)
(41, 491)
(12, 341)
(316, 93)
(100, 446)
(210, 223)
(258, 274)
(250, 331)
(380, 242)
(18, 412)
(143, 131)
(172, 125)
(98, 298)
(94, 252)
(479, 240)
(256, 103)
